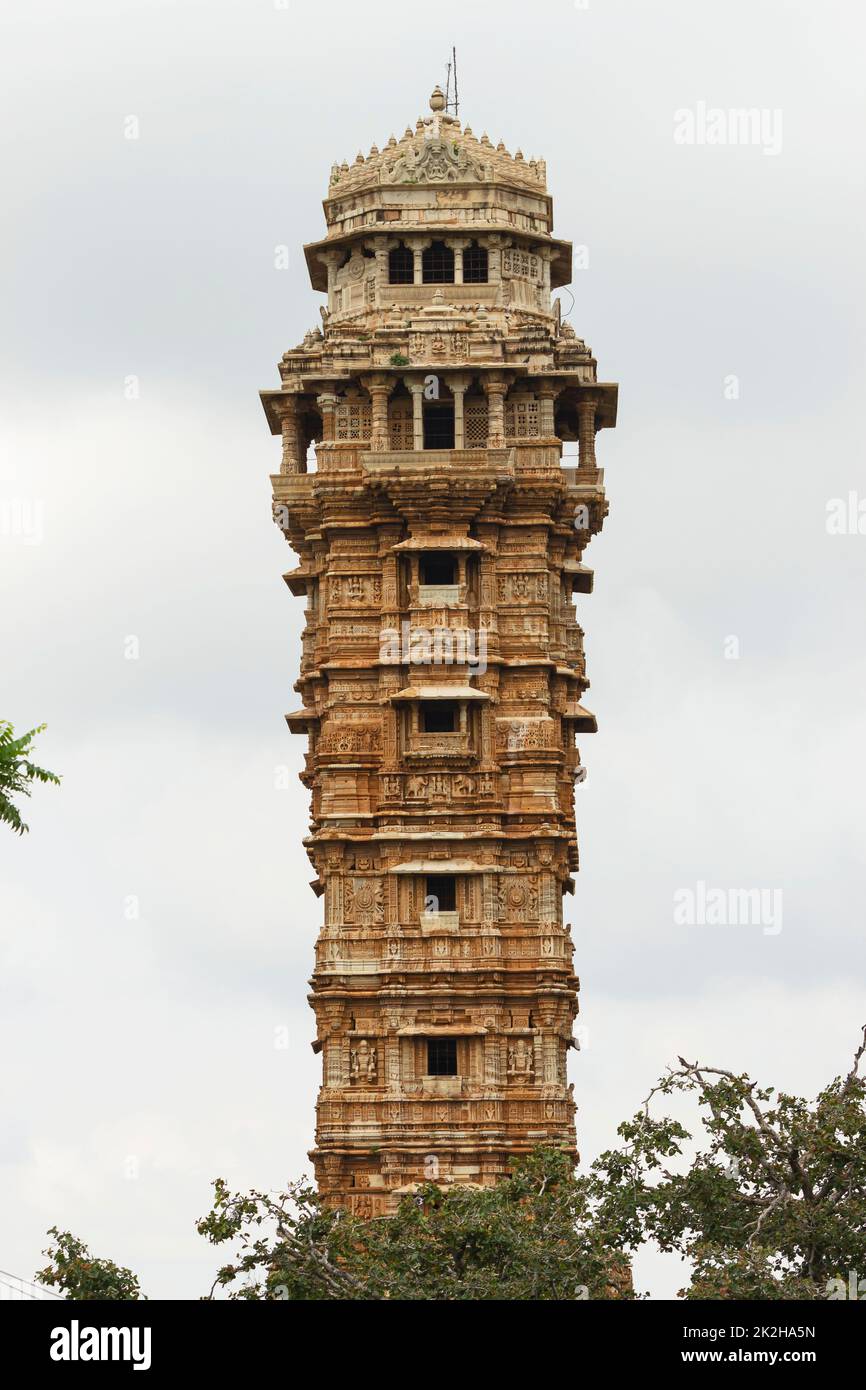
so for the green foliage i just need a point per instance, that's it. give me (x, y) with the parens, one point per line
(532, 1236)
(398, 359)
(773, 1206)
(73, 1269)
(18, 773)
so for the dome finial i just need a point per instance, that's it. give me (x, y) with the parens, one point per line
(437, 100)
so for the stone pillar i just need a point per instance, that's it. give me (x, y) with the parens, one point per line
(418, 248)
(586, 408)
(544, 253)
(546, 394)
(381, 250)
(494, 259)
(495, 390)
(458, 245)
(458, 386)
(417, 389)
(332, 260)
(328, 405)
(379, 388)
(291, 462)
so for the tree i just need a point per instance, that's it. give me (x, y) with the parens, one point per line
(18, 773)
(73, 1269)
(774, 1207)
(532, 1236)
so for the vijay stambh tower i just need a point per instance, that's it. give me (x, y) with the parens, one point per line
(441, 540)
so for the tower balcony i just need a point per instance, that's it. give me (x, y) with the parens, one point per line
(439, 923)
(439, 595)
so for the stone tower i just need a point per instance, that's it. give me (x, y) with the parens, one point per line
(440, 542)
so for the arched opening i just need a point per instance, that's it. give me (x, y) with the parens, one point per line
(401, 266)
(475, 265)
(438, 264)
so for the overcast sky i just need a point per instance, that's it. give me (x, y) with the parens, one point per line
(724, 291)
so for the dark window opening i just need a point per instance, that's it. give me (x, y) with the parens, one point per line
(442, 1057)
(439, 425)
(439, 717)
(438, 264)
(475, 265)
(401, 266)
(438, 569)
(441, 893)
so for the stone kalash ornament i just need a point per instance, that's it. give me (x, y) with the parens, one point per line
(441, 542)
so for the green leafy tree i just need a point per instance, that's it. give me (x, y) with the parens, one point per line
(17, 772)
(768, 1203)
(73, 1269)
(773, 1206)
(533, 1236)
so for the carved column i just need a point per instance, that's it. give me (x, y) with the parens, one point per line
(381, 250)
(495, 390)
(458, 386)
(546, 393)
(417, 389)
(544, 254)
(458, 245)
(327, 403)
(419, 246)
(494, 259)
(291, 461)
(380, 388)
(586, 408)
(332, 260)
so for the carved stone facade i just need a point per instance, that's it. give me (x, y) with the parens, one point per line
(441, 541)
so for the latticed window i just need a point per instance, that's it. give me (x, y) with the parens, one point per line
(438, 264)
(520, 263)
(354, 420)
(475, 424)
(401, 425)
(401, 266)
(475, 265)
(522, 420)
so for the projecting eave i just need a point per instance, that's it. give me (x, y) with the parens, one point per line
(269, 403)
(605, 392)
(299, 721)
(436, 542)
(444, 866)
(560, 259)
(581, 576)
(439, 692)
(441, 1030)
(583, 720)
(297, 581)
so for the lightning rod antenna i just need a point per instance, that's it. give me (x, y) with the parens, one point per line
(452, 103)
